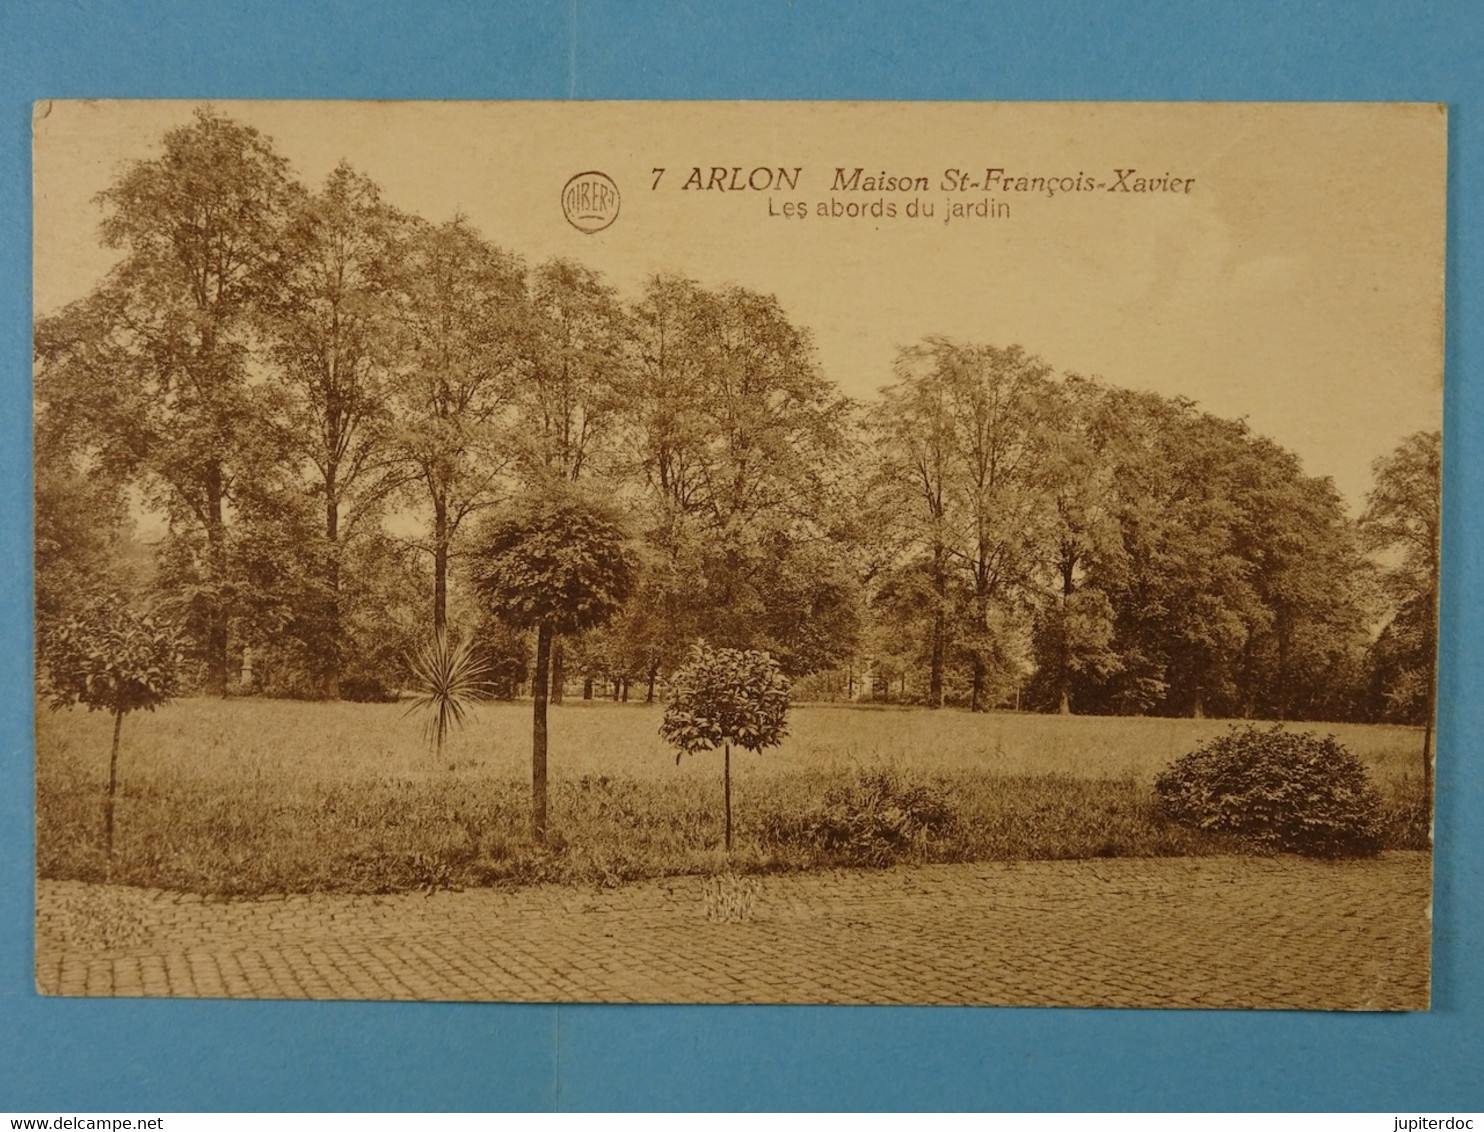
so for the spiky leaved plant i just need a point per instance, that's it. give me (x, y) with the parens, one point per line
(451, 679)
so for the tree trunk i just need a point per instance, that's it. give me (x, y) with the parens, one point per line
(654, 671)
(113, 779)
(1432, 702)
(1285, 633)
(440, 564)
(976, 688)
(726, 778)
(216, 614)
(625, 695)
(587, 687)
(558, 671)
(1427, 761)
(1064, 649)
(538, 732)
(939, 644)
(330, 674)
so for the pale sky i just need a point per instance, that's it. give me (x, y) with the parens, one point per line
(1298, 283)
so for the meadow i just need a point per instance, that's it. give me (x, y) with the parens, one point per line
(247, 796)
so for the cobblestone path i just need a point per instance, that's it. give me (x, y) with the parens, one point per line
(1182, 932)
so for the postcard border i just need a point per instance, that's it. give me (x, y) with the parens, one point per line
(151, 1055)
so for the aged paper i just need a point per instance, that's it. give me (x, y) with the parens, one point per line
(738, 552)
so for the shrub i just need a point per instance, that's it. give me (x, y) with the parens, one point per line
(876, 819)
(1283, 790)
(367, 690)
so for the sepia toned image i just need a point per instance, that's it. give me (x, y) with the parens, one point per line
(743, 552)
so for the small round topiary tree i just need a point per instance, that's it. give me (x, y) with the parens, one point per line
(725, 696)
(556, 564)
(1292, 791)
(111, 659)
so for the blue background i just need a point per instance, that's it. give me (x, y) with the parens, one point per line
(83, 1055)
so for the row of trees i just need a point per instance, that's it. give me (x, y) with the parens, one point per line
(325, 399)
(1136, 555)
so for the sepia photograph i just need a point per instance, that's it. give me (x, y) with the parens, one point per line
(860, 553)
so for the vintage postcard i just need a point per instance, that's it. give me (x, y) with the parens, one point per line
(738, 552)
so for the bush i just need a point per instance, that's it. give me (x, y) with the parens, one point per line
(1281, 790)
(367, 690)
(876, 819)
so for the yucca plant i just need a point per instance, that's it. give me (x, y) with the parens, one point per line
(451, 678)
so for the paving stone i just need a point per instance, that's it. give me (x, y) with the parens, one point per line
(1193, 932)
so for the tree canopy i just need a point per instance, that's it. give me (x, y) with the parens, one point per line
(724, 696)
(351, 428)
(553, 561)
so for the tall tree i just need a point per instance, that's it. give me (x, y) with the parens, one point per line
(1231, 578)
(742, 444)
(670, 329)
(1080, 552)
(83, 465)
(576, 384)
(910, 493)
(1001, 403)
(165, 340)
(330, 334)
(574, 387)
(1186, 604)
(669, 345)
(964, 449)
(1310, 578)
(462, 309)
(1403, 520)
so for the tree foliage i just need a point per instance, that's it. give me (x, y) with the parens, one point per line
(198, 226)
(742, 448)
(330, 340)
(555, 561)
(575, 387)
(110, 658)
(462, 315)
(722, 696)
(318, 399)
(1402, 521)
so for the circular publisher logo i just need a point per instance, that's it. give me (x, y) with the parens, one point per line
(590, 201)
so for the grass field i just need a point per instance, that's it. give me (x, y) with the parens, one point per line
(294, 741)
(251, 795)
